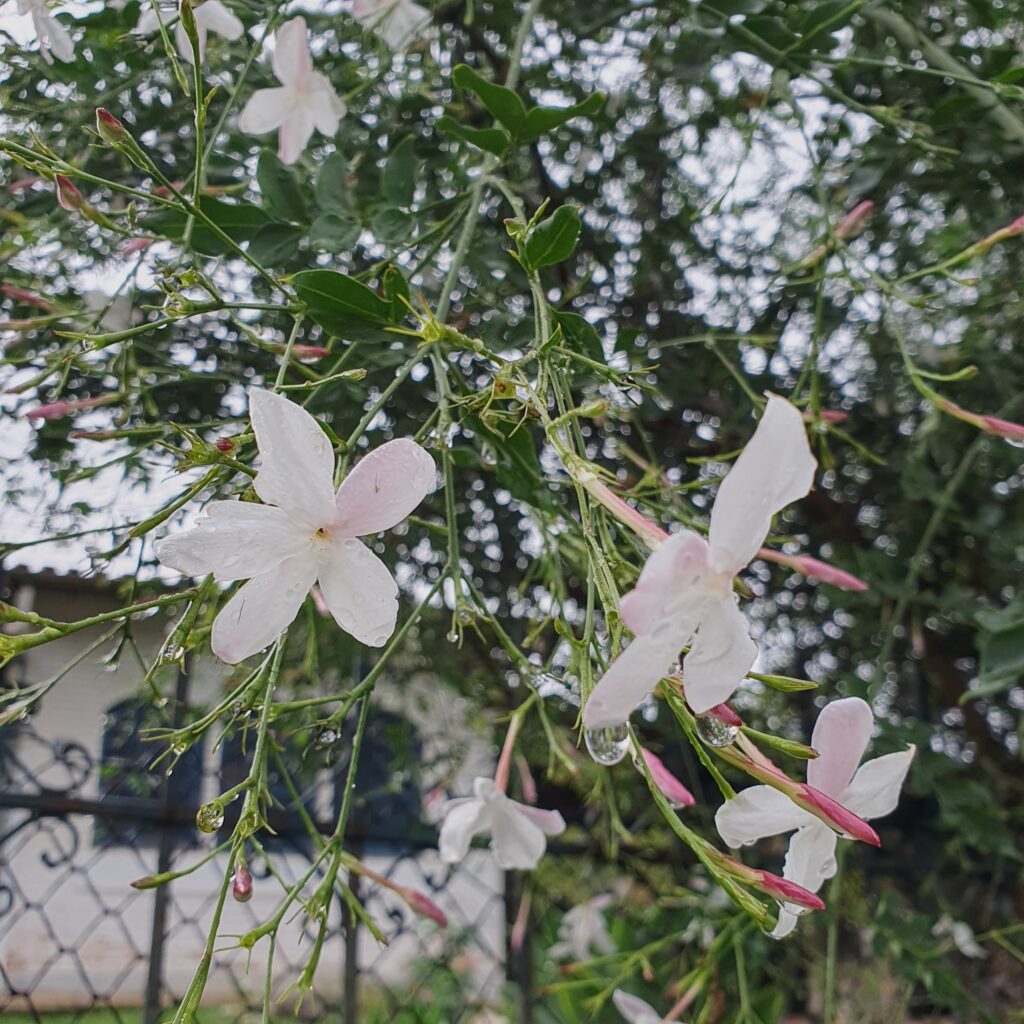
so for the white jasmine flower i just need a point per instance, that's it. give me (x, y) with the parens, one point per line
(962, 935)
(399, 22)
(304, 534)
(635, 1010)
(518, 832)
(840, 737)
(583, 931)
(211, 16)
(304, 101)
(685, 590)
(52, 36)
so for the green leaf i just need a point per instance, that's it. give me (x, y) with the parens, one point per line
(501, 103)
(398, 178)
(239, 221)
(517, 466)
(332, 187)
(395, 288)
(333, 233)
(543, 119)
(340, 304)
(276, 244)
(281, 193)
(492, 140)
(580, 335)
(553, 239)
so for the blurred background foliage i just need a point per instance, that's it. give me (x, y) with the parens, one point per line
(734, 137)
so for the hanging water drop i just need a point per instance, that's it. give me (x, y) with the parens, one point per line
(210, 816)
(325, 739)
(714, 732)
(607, 745)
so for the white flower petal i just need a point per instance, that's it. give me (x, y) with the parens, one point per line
(293, 136)
(262, 609)
(551, 823)
(325, 109)
(758, 812)
(359, 590)
(54, 37)
(811, 859)
(235, 540)
(383, 488)
(213, 15)
(875, 789)
(463, 820)
(518, 843)
(631, 677)
(266, 110)
(841, 735)
(633, 1009)
(775, 468)
(721, 655)
(296, 459)
(184, 44)
(291, 61)
(667, 583)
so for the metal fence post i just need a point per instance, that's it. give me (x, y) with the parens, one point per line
(162, 895)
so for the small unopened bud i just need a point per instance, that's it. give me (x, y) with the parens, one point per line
(310, 352)
(225, 444)
(68, 196)
(814, 568)
(853, 223)
(594, 408)
(241, 884)
(989, 424)
(785, 891)
(134, 245)
(58, 410)
(671, 788)
(26, 297)
(835, 814)
(109, 127)
(424, 906)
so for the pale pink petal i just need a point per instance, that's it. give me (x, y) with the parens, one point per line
(810, 860)
(383, 488)
(721, 656)
(213, 15)
(235, 540)
(293, 136)
(775, 468)
(841, 735)
(667, 582)
(517, 843)
(463, 820)
(875, 789)
(758, 812)
(633, 1009)
(360, 591)
(296, 459)
(551, 823)
(325, 109)
(266, 111)
(631, 677)
(291, 61)
(262, 609)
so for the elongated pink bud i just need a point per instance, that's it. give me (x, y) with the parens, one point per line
(814, 568)
(990, 424)
(649, 532)
(241, 885)
(423, 905)
(826, 416)
(22, 184)
(853, 223)
(58, 410)
(109, 128)
(835, 814)
(788, 892)
(28, 298)
(724, 713)
(310, 352)
(68, 196)
(134, 245)
(672, 789)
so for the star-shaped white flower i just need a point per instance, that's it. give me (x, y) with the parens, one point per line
(304, 534)
(518, 832)
(685, 590)
(399, 22)
(840, 737)
(304, 101)
(211, 16)
(52, 36)
(634, 1009)
(583, 931)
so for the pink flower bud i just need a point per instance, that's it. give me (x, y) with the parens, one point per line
(224, 444)
(672, 789)
(109, 128)
(814, 568)
(989, 424)
(649, 532)
(241, 884)
(310, 352)
(28, 298)
(58, 410)
(826, 416)
(726, 714)
(22, 184)
(835, 814)
(853, 223)
(1016, 227)
(134, 245)
(68, 196)
(424, 906)
(786, 891)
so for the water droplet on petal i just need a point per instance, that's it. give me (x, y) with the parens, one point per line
(608, 745)
(210, 816)
(714, 732)
(796, 909)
